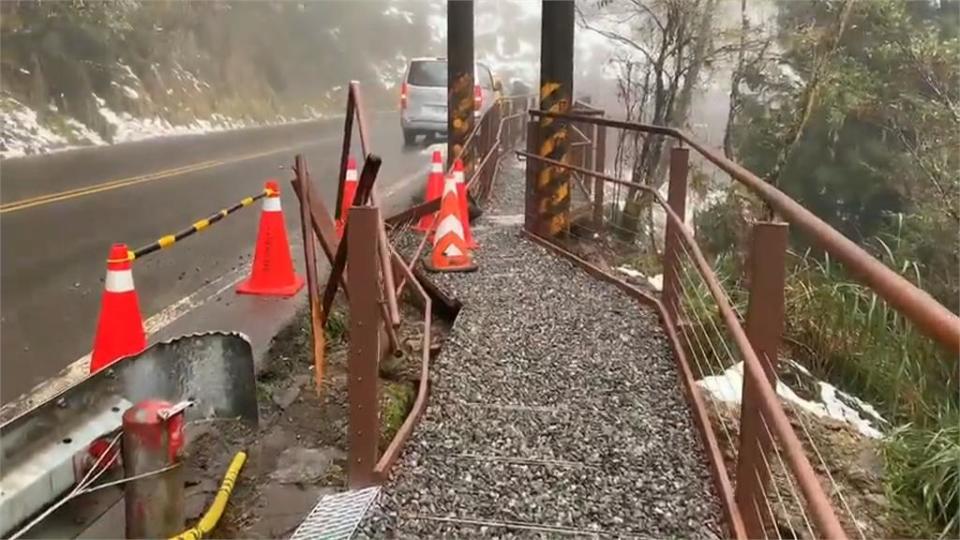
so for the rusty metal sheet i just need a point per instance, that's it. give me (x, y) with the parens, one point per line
(364, 354)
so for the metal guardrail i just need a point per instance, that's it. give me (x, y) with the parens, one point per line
(769, 481)
(499, 128)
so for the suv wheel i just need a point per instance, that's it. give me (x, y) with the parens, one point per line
(409, 137)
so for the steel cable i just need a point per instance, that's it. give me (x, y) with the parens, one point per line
(774, 444)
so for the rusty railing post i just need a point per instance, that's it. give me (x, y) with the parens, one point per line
(599, 163)
(530, 215)
(677, 200)
(364, 355)
(310, 262)
(764, 328)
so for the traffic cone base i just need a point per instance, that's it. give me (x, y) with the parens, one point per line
(119, 327)
(450, 253)
(272, 273)
(247, 286)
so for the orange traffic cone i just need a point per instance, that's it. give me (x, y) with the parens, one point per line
(434, 190)
(450, 251)
(349, 192)
(462, 202)
(119, 328)
(272, 273)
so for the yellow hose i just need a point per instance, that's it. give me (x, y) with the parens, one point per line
(210, 519)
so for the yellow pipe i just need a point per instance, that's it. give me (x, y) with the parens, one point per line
(210, 519)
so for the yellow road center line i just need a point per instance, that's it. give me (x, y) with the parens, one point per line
(185, 168)
(134, 180)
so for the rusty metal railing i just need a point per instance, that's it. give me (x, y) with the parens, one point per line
(372, 291)
(729, 362)
(929, 316)
(498, 130)
(678, 321)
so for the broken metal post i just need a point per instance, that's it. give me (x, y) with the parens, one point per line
(152, 441)
(556, 95)
(459, 79)
(677, 200)
(310, 261)
(764, 328)
(364, 356)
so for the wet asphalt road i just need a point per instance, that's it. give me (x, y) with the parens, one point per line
(52, 251)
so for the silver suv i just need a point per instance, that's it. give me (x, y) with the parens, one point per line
(423, 96)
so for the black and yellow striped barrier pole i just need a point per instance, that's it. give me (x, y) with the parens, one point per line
(460, 83)
(552, 188)
(170, 239)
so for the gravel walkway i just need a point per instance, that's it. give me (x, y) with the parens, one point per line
(555, 409)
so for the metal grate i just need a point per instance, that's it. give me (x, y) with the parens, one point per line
(336, 516)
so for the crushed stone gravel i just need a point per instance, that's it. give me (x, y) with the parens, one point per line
(555, 409)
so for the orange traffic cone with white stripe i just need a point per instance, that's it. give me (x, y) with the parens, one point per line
(119, 328)
(272, 273)
(350, 183)
(450, 251)
(462, 202)
(434, 190)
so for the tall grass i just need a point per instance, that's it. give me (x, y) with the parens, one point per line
(923, 470)
(848, 335)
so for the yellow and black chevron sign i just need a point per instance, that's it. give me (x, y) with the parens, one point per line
(553, 183)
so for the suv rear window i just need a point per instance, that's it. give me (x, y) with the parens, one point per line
(428, 73)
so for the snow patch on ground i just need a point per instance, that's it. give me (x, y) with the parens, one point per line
(656, 282)
(130, 93)
(832, 403)
(394, 11)
(127, 128)
(84, 132)
(22, 133)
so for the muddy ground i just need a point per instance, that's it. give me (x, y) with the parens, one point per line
(298, 452)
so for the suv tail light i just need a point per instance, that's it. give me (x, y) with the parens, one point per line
(403, 95)
(477, 98)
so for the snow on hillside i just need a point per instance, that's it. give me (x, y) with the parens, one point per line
(22, 133)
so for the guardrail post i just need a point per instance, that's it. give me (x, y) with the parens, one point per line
(599, 163)
(677, 200)
(363, 359)
(764, 328)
